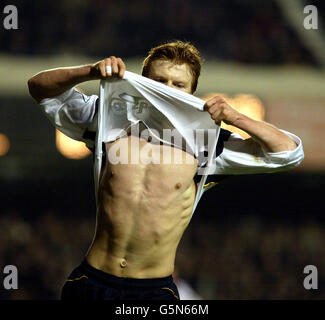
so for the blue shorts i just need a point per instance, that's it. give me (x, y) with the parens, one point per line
(88, 284)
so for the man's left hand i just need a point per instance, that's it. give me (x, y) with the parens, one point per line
(220, 110)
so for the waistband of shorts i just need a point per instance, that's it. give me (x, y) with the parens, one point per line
(110, 279)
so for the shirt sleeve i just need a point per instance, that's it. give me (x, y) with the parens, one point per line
(245, 156)
(73, 113)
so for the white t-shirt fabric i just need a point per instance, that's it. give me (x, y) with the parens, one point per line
(136, 99)
(139, 99)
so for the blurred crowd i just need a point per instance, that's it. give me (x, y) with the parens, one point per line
(242, 31)
(249, 259)
(44, 250)
(253, 259)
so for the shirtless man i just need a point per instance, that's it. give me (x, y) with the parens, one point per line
(145, 208)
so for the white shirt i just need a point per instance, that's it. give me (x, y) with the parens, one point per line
(76, 115)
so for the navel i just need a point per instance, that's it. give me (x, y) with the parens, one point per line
(123, 263)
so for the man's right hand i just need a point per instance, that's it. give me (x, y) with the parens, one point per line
(98, 69)
(49, 83)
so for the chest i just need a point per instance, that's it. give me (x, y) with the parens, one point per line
(132, 160)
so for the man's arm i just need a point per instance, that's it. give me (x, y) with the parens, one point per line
(270, 138)
(50, 83)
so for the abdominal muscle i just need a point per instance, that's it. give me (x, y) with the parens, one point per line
(143, 210)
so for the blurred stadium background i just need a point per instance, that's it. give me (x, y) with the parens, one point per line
(251, 236)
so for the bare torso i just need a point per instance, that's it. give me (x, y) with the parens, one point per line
(143, 211)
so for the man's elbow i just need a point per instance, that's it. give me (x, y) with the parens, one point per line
(296, 152)
(291, 145)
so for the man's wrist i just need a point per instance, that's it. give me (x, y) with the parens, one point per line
(240, 121)
(82, 73)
